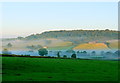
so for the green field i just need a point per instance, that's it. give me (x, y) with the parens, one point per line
(46, 69)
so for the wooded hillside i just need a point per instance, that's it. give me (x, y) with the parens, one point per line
(78, 36)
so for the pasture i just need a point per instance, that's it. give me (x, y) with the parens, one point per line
(46, 69)
(91, 46)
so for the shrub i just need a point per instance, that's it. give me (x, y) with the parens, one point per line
(73, 56)
(64, 56)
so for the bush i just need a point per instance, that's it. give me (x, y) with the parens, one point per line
(73, 56)
(65, 56)
(70, 51)
(49, 56)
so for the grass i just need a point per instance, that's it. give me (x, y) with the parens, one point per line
(62, 46)
(45, 69)
(91, 46)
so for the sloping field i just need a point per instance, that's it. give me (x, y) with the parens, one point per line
(45, 69)
(61, 46)
(91, 46)
(50, 42)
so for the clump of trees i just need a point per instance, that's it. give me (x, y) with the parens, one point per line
(109, 53)
(76, 35)
(84, 53)
(70, 51)
(20, 38)
(9, 45)
(43, 51)
(93, 53)
(73, 56)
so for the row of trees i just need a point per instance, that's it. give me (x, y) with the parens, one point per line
(75, 33)
(41, 52)
(77, 36)
(44, 51)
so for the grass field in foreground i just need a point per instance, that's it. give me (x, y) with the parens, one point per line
(45, 69)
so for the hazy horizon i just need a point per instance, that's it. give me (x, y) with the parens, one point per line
(26, 18)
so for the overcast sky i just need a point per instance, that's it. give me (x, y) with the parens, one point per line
(25, 18)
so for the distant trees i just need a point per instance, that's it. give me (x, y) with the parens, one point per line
(70, 51)
(78, 52)
(9, 45)
(93, 53)
(20, 38)
(43, 51)
(117, 53)
(84, 53)
(76, 35)
(34, 47)
(109, 53)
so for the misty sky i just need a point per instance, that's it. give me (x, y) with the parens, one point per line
(26, 18)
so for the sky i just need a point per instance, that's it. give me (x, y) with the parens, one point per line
(26, 18)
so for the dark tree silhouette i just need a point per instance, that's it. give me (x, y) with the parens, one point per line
(42, 51)
(64, 56)
(58, 54)
(73, 56)
(9, 45)
(93, 53)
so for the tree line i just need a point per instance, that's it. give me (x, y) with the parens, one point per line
(78, 36)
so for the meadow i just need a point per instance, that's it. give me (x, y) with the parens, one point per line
(91, 46)
(48, 69)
